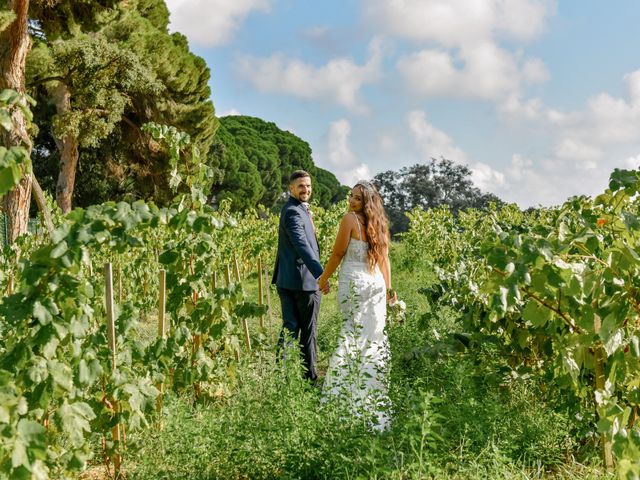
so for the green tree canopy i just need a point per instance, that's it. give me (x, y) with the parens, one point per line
(274, 154)
(122, 69)
(439, 182)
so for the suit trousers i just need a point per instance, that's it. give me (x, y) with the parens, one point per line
(299, 318)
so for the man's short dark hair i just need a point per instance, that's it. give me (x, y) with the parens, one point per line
(298, 174)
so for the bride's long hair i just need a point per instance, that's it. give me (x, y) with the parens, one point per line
(376, 223)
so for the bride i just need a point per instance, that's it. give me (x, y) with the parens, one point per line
(357, 369)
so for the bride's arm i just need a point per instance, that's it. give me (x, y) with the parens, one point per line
(385, 268)
(339, 249)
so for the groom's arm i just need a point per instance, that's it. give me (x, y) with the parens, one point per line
(294, 226)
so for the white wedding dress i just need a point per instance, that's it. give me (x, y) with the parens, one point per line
(357, 371)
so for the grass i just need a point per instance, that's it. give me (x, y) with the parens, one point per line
(455, 416)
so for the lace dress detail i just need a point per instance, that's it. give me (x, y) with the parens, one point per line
(358, 369)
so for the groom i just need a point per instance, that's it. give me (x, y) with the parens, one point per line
(297, 270)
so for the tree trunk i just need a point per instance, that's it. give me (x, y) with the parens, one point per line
(68, 148)
(15, 43)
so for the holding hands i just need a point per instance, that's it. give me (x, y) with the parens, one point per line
(323, 285)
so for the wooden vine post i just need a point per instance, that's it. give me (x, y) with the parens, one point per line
(227, 280)
(10, 284)
(269, 306)
(162, 327)
(245, 322)
(227, 274)
(260, 287)
(119, 283)
(236, 268)
(90, 266)
(600, 380)
(111, 337)
(197, 338)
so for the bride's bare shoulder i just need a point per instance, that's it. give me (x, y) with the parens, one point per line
(348, 219)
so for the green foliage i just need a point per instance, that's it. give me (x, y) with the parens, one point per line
(556, 290)
(14, 161)
(440, 182)
(255, 159)
(455, 416)
(122, 69)
(55, 356)
(238, 178)
(185, 164)
(102, 77)
(6, 18)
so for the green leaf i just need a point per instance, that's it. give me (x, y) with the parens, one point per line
(168, 257)
(536, 314)
(19, 457)
(38, 372)
(30, 442)
(59, 250)
(41, 313)
(614, 341)
(5, 120)
(570, 365)
(88, 373)
(75, 420)
(7, 95)
(61, 374)
(9, 178)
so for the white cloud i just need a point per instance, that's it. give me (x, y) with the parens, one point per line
(211, 22)
(572, 149)
(340, 153)
(230, 112)
(606, 120)
(632, 162)
(514, 108)
(454, 23)
(486, 178)
(343, 162)
(535, 71)
(586, 146)
(488, 72)
(462, 56)
(549, 181)
(317, 32)
(633, 87)
(387, 143)
(432, 142)
(338, 81)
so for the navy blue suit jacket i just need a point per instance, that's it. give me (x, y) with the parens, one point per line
(298, 260)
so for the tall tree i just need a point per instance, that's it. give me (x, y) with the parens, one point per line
(15, 43)
(238, 178)
(274, 153)
(439, 182)
(108, 68)
(90, 80)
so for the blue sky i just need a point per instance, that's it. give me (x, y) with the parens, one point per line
(540, 98)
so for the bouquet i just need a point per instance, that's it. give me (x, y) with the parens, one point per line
(396, 309)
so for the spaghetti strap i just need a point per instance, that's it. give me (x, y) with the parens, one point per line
(358, 223)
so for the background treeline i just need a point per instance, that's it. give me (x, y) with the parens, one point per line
(439, 182)
(100, 70)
